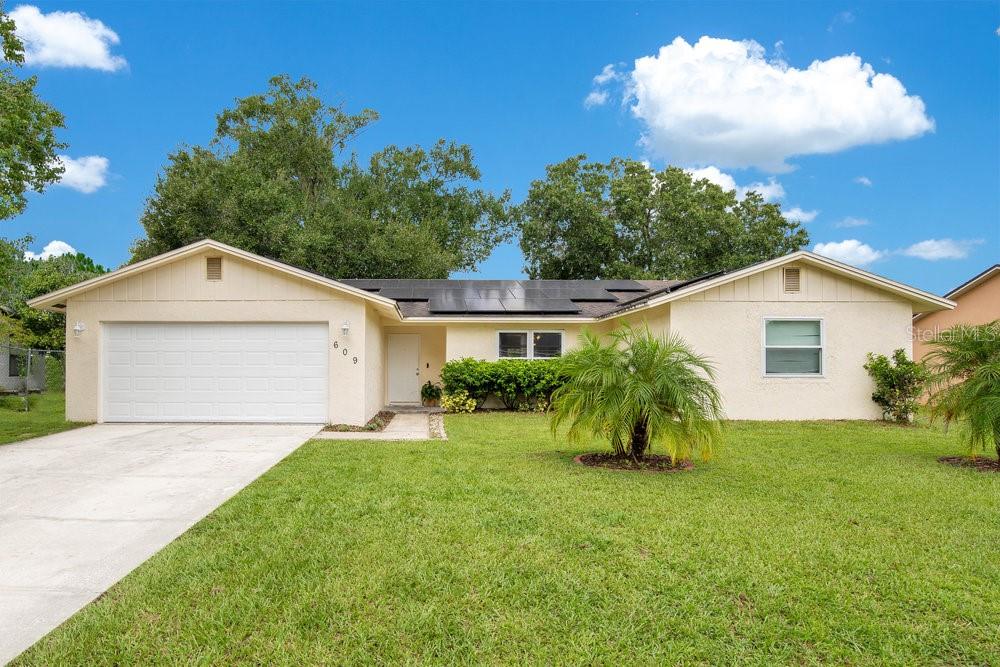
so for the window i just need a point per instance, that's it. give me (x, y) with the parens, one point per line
(793, 347)
(14, 366)
(213, 268)
(529, 344)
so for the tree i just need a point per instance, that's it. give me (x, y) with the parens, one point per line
(274, 181)
(639, 390)
(621, 219)
(24, 280)
(965, 362)
(28, 143)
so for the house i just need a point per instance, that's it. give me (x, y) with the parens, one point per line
(978, 302)
(14, 370)
(209, 332)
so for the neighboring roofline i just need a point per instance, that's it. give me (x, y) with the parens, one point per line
(969, 284)
(52, 298)
(935, 302)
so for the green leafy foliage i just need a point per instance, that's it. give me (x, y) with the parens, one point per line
(22, 280)
(965, 361)
(621, 219)
(899, 382)
(275, 181)
(639, 390)
(28, 143)
(458, 401)
(430, 392)
(518, 383)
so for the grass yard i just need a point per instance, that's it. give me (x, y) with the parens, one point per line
(46, 415)
(800, 543)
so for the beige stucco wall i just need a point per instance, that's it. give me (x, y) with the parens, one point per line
(374, 363)
(979, 305)
(726, 324)
(479, 340)
(179, 292)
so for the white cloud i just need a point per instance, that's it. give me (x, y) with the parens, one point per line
(595, 99)
(85, 174)
(935, 249)
(843, 18)
(850, 251)
(770, 191)
(607, 74)
(51, 249)
(723, 102)
(65, 39)
(797, 214)
(863, 180)
(852, 222)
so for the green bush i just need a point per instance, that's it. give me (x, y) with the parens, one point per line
(520, 384)
(55, 373)
(899, 382)
(460, 401)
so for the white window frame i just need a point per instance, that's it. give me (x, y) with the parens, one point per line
(764, 347)
(530, 334)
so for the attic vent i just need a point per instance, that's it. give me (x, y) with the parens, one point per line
(792, 280)
(213, 268)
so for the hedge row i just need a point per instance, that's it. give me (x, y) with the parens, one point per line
(518, 383)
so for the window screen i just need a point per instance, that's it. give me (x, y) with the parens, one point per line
(793, 347)
(547, 344)
(513, 344)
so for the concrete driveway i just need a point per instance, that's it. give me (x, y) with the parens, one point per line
(79, 510)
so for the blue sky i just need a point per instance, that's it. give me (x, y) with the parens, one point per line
(907, 188)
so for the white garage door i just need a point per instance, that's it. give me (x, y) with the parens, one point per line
(215, 372)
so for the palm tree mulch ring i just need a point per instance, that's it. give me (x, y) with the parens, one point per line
(979, 463)
(649, 463)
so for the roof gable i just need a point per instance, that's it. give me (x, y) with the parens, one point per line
(126, 275)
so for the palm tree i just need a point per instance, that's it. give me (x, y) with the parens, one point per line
(639, 390)
(965, 362)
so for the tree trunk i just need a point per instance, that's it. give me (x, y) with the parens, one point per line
(640, 440)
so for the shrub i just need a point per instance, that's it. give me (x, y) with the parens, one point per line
(899, 382)
(639, 390)
(521, 384)
(55, 373)
(459, 401)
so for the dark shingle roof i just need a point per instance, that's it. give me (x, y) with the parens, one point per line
(553, 298)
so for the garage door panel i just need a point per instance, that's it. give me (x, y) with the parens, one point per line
(215, 372)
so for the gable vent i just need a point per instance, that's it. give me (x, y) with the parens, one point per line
(793, 282)
(213, 268)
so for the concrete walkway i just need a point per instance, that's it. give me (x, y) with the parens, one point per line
(403, 426)
(79, 510)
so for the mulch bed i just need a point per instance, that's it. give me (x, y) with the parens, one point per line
(979, 463)
(652, 463)
(376, 423)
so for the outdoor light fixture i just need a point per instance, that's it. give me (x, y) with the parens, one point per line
(345, 327)
(78, 329)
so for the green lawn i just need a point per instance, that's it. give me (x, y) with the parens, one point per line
(800, 543)
(46, 415)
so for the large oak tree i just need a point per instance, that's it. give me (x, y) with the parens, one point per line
(621, 219)
(276, 181)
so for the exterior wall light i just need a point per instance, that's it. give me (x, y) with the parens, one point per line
(78, 329)
(345, 327)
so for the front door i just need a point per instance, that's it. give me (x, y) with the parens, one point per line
(404, 368)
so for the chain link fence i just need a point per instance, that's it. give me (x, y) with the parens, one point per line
(26, 371)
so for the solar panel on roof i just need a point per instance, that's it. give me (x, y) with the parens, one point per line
(537, 305)
(619, 285)
(483, 306)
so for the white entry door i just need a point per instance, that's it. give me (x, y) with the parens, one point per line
(404, 368)
(215, 372)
